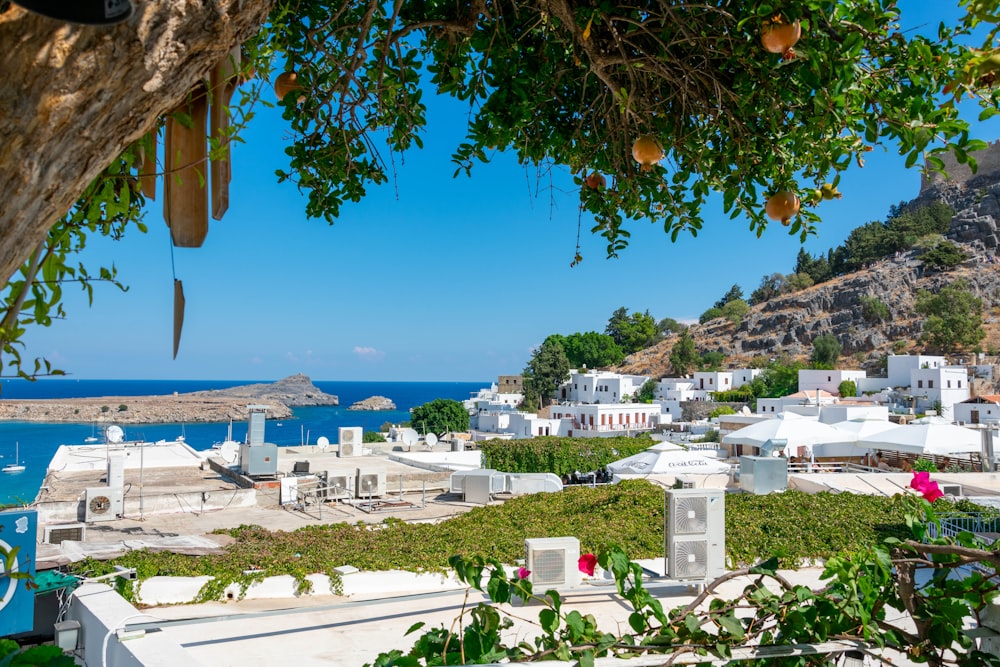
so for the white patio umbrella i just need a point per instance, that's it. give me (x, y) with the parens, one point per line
(936, 439)
(795, 431)
(860, 429)
(659, 461)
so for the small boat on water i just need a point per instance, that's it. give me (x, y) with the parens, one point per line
(15, 466)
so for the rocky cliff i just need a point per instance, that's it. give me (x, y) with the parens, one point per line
(200, 406)
(293, 391)
(787, 325)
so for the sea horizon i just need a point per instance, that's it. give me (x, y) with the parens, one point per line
(37, 442)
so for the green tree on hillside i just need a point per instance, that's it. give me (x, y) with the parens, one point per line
(709, 315)
(847, 388)
(954, 317)
(942, 254)
(826, 351)
(546, 370)
(590, 349)
(735, 292)
(735, 310)
(633, 332)
(669, 325)
(683, 355)
(440, 416)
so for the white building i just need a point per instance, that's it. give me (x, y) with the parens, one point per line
(744, 376)
(801, 402)
(827, 380)
(946, 385)
(675, 389)
(607, 419)
(600, 387)
(520, 424)
(900, 366)
(708, 381)
(489, 400)
(978, 410)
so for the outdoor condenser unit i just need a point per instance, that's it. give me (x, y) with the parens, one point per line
(696, 534)
(103, 503)
(553, 562)
(339, 485)
(349, 438)
(369, 483)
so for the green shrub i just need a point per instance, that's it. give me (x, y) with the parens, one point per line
(873, 310)
(560, 456)
(372, 436)
(104, 408)
(711, 435)
(122, 408)
(721, 410)
(925, 465)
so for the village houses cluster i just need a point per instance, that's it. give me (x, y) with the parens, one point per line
(600, 403)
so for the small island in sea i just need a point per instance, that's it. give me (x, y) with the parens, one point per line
(217, 405)
(374, 404)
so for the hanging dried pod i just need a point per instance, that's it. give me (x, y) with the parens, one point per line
(224, 79)
(147, 165)
(185, 185)
(178, 314)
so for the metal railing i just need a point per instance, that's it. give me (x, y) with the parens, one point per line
(985, 527)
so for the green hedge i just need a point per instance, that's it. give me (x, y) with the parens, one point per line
(558, 455)
(795, 526)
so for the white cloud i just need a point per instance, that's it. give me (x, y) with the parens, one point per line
(368, 353)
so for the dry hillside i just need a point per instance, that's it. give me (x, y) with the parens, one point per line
(787, 325)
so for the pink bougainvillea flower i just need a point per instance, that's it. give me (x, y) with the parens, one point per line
(587, 563)
(932, 492)
(523, 572)
(920, 480)
(926, 487)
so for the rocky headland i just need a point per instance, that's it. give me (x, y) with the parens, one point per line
(374, 403)
(201, 406)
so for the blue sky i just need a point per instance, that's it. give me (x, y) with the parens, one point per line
(429, 278)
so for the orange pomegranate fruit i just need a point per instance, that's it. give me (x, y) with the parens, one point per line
(287, 82)
(779, 37)
(647, 151)
(782, 206)
(595, 181)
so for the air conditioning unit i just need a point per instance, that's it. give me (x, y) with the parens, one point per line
(339, 485)
(103, 503)
(58, 533)
(350, 440)
(951, 489)
(369, 483)
(696, 534)
(553, 562)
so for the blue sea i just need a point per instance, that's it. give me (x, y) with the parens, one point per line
(38, 442)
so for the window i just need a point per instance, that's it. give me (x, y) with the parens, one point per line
(829, 379)
(949, 384)
(920, 384)
(930, 384)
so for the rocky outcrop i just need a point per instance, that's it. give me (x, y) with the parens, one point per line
(200, 406)
(294, 391)
(789, 324)
(374, 403)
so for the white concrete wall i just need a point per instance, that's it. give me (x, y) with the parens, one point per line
(828, 380)
(101, 612)
(900, 366)
(831, 414)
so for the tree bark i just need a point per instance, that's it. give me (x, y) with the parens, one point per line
(72, 97)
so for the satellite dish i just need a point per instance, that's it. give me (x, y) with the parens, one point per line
(229, 451)
(409, 437)
(745, 410)
(115, 434)
(322, 442)
(430, 439)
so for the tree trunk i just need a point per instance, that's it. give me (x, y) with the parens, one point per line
(72, 97)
